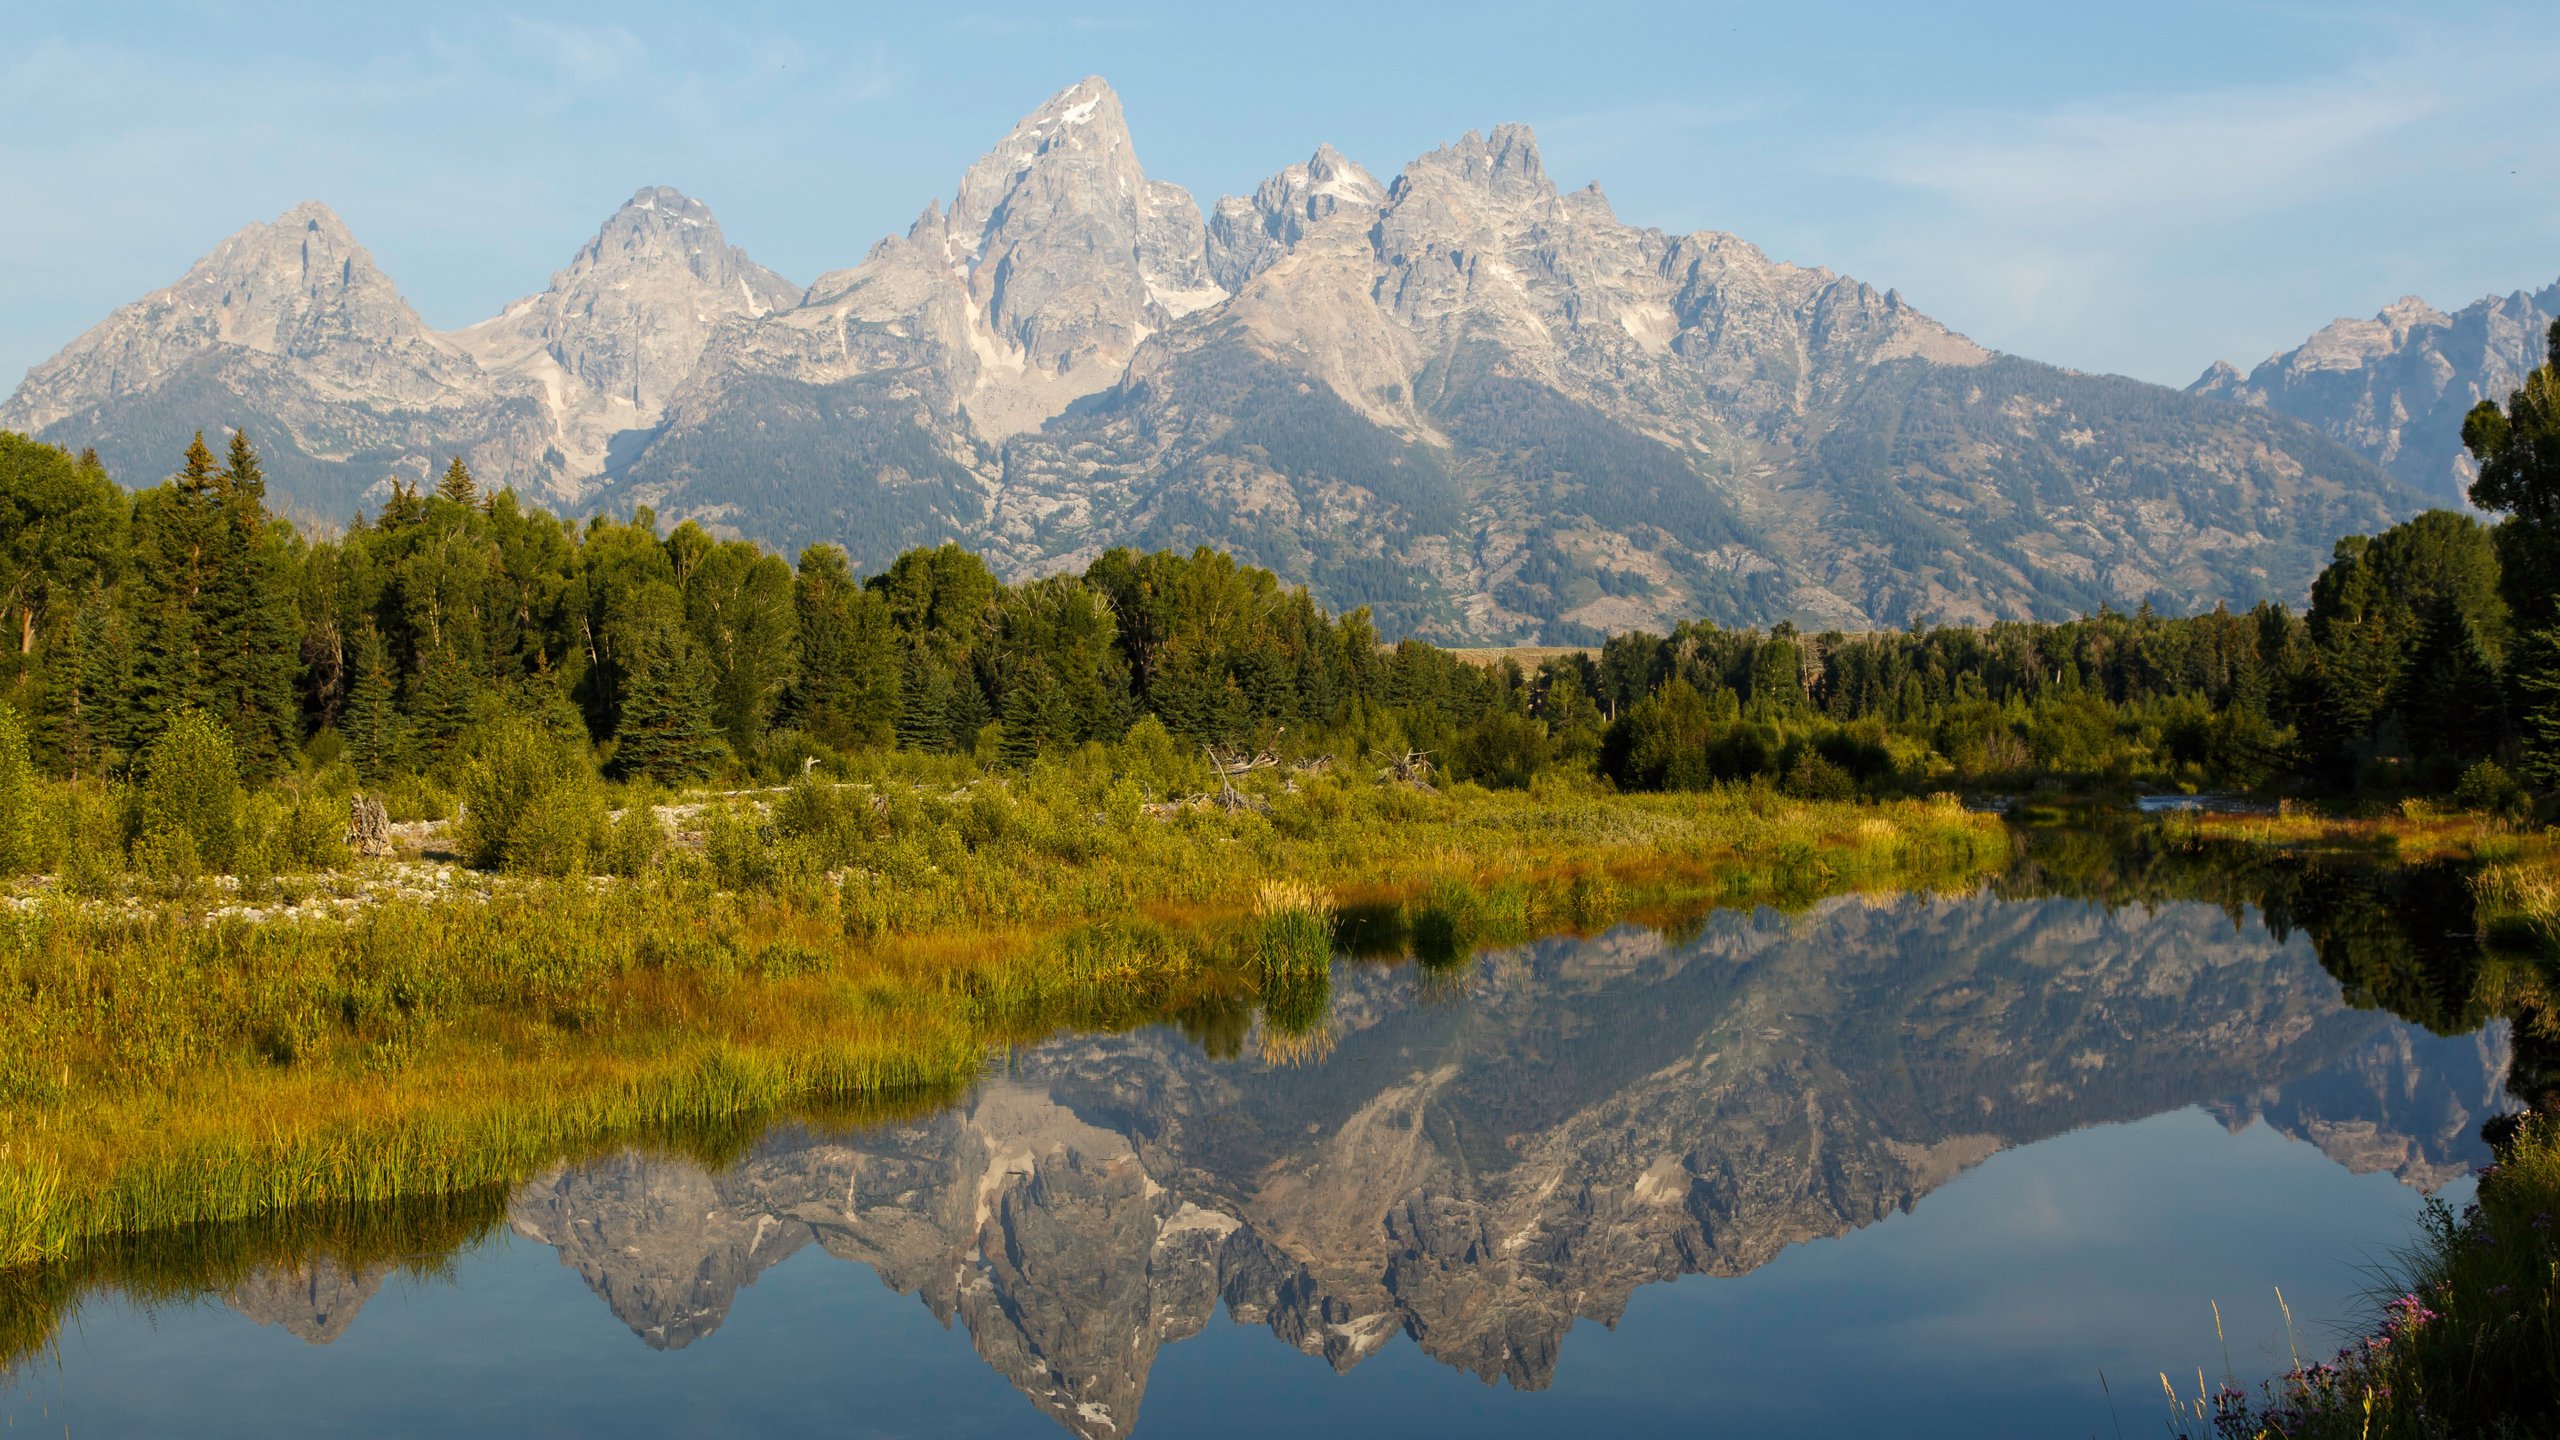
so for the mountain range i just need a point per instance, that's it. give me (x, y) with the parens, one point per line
(2395, 387)
(1482, 405)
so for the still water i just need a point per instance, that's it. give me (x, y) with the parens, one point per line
(1920, 1166)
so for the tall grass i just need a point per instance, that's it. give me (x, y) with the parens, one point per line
(163, 1068)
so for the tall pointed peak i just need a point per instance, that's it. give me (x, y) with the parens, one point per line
(1330, 172)
(1080, 126)
(1505, 162)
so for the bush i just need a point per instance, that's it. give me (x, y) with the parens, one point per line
(190, 789)
(17, 797)
(2489, 788)
(530, 803)
(91, 827)
(637, 838)
(1814, 778)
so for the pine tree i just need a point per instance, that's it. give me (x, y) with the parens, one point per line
(443, 704)
(667, 732)
(178, 540)
(924, 703)
(458, 485)
(61, 719)
(103, 638)
(969, 711)
(371, 722)
(249, 617)
(1034, 717)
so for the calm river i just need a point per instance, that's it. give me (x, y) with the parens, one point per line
(1922, 1166)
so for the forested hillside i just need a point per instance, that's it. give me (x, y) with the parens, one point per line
(2426, 657)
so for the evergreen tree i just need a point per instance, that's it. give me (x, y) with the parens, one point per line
(444, 703)
(61, 732)
(1034, 718)
(104, 653)
(371, 722)
(924, 703)
(667, 732)
(458, 485)
(249, 618)
(2518, 448)
(969, 711)
(179, 534)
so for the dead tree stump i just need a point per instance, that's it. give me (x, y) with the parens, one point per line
(368, 826)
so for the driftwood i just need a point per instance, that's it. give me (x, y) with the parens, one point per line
(368, 826)
(1412, 768)
(1229, 765)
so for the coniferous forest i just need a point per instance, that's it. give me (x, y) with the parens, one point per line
(2427, 660)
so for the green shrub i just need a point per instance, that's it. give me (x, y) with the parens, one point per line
(637, 838)
(190, 788)
(17, 797)
(530, 803)
(833, 823)
(1814, 778)
(91, 826)
(2487, 787)
(740, 851)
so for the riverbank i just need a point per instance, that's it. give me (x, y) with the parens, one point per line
(2464, 1339)
(162, 1069)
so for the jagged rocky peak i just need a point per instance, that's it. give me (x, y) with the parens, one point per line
(1065, 238)
(659, 227)
(2395, 386)
(291, 286)
(624, 323)
(315, 1301)
(1505, 163)
(628, 317)
(1056, 259)
(298, 287)
(1246, 236)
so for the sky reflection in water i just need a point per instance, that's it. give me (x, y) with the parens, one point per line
(2100, 1121)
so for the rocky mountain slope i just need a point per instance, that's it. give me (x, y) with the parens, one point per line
(1478, 1175)
(1485, 406)
(2395, 387)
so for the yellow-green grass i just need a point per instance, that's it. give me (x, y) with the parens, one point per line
(2413, 834)
(159, 1070)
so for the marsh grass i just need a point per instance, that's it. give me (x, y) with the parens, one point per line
(162, 1070)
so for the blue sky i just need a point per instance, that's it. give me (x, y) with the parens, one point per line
(2138, 188)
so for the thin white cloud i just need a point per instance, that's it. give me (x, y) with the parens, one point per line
(581, 55)
(2064, 231)
(2152, 160)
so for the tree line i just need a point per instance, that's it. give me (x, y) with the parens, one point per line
(2426, 653)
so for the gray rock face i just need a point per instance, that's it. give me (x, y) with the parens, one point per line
(289, 331)
(1489, 409)
(623, 325)
(2396, 387)
(1479, 1176)
(315, 1302)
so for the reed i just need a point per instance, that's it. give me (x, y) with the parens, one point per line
(172, 1062)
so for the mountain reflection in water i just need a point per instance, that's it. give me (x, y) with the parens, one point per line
(1478, 1161)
